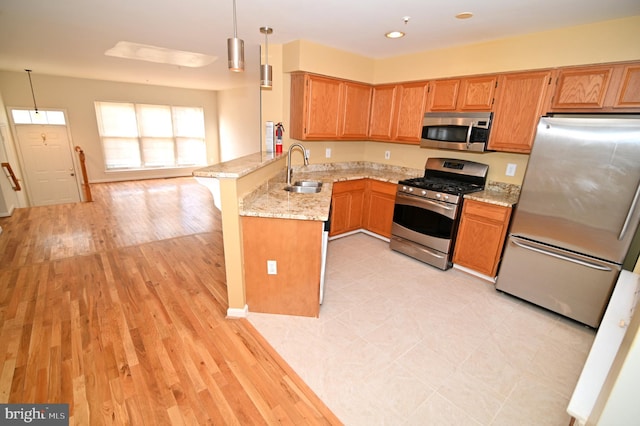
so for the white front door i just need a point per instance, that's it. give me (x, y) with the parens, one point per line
(48, 162)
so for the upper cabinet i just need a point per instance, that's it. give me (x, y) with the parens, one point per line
(465, 94)
(383, 112)
(628, 95)
(597, 88)
(356, 112)
(411, 102)
(324, 108)
(520, 101)
(397, 111)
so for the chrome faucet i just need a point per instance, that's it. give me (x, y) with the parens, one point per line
(289, 169)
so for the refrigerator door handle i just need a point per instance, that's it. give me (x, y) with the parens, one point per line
(560, 256)
(634, 203)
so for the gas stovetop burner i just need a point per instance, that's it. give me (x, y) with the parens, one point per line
(443, 185)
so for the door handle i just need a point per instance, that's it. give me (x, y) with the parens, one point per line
(561, 257)
(625, 225)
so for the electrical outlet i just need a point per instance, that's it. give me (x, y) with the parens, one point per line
(511, 169)
(272, 267)
(307, 153)
(387, 155)
(327, 153)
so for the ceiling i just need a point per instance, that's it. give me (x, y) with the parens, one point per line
(69, 37)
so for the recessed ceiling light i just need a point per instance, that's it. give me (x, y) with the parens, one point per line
(394, 34)
(161, 55)
(464, 15)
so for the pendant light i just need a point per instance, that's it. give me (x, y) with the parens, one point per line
(265, 70)
(33, 95)
(235, 47)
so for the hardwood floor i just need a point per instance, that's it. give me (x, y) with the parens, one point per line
(117, 307)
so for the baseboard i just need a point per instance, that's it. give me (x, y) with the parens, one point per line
(475, 273)
(357, 231)
(238, 312)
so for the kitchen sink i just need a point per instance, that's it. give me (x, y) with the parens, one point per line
(308, 183)
(304, 189)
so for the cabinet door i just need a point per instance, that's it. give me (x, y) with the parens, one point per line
(382, 112)
(476, 94)
(443, 95)
(323, 107)
(347, 204)
(356, 111)
(481, 236)
(581, 88)
(629, 91)
(379, 204)
(520, 101)
(411, 105)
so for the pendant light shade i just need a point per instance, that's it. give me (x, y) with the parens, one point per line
(265, 70)
(235, 47)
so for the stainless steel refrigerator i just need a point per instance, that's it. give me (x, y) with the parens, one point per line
(578, 211)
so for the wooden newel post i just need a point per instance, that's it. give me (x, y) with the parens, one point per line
(85, 179)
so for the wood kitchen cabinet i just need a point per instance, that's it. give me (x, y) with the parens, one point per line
(380, 199)
(383, 112)
(520, 101)
(296, 247)
(462, 94)
(397, 111)
(481, 236)
(598, 88)
(411, 104)
(325, 108)
(347, 206)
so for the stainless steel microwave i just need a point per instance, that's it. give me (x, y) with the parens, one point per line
(460, 131)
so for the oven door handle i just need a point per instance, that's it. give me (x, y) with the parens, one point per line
(469, 135)
(417, 200)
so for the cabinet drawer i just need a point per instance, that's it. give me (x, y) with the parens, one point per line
(486, 210)
(383, 187)
(348, 185)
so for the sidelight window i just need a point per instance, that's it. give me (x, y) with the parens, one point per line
(138, 136)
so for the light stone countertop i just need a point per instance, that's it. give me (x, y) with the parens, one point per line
(499, 193)
(238, 167)
(271, 200)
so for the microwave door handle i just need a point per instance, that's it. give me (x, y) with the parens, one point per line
(469, 135)
(634, 203)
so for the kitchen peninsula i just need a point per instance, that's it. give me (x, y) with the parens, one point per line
(251, 193)
(263, 223)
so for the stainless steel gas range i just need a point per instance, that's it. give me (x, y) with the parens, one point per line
(427, 209)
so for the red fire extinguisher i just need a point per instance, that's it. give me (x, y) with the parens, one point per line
(279, 132)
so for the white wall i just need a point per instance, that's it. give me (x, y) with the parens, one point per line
(239, 122)
(77, 96)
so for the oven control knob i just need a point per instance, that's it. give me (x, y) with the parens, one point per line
(446, 197)
(410, 189)
(438, 195)
(424, 192)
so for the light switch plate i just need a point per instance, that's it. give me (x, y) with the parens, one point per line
(327, 153)
(511, 169)
(387, 155)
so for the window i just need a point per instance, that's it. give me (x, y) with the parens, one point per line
(138, 136)
(31, 116)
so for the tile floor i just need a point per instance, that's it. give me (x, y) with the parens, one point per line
(401, 343)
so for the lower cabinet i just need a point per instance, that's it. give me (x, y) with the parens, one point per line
(379, 201)
(362, 204)
(347, 205)
(296, 248)
(481, 235)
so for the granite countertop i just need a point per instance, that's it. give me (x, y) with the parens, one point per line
(238, 167)
(271, 200)
(499, 193)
